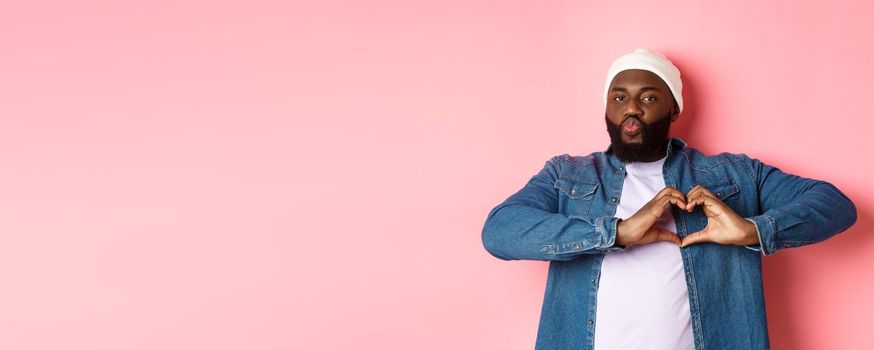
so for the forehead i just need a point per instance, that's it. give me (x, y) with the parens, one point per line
(637, 77)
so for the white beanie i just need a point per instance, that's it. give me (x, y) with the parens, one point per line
(652, 61)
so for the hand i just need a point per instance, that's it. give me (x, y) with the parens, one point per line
(640, 228)
(724, 226)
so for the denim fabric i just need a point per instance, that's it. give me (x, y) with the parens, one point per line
(564, 215)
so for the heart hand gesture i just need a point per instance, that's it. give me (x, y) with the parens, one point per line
(640, 228)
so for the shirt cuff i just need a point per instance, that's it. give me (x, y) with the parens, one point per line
(608, 227)
(764, 230)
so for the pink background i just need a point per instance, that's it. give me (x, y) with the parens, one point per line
(315, 175)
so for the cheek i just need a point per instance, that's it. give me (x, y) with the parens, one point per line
(614, 115)
(654, 113)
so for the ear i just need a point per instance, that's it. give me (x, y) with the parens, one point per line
(675, 112)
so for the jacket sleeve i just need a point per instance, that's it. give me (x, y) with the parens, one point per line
(794, 210)
(527, 225)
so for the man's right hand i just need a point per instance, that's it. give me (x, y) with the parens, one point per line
(640, 228)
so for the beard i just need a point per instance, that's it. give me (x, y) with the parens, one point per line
(654, 140)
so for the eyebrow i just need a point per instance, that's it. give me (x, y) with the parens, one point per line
(645, 88)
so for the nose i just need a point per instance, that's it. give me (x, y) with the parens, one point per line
(632, 109)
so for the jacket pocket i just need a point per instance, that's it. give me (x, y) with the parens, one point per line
(728, 192)
(575, 195)
(725, 189)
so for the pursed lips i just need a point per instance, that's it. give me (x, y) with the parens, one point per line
(631, 125)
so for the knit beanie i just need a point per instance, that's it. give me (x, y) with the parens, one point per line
(652, 61)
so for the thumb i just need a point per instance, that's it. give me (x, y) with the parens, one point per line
(665, 235)
(697, 237)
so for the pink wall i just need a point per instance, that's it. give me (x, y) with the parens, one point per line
(205, 175)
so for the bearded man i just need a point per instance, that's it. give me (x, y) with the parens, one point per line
(652, 244)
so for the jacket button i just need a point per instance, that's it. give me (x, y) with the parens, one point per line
(613, 199)
(590, 322)
(593, 280)
(573, 191)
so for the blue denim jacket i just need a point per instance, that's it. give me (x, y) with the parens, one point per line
(564, 215)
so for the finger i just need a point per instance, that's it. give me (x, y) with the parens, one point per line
(680, 202)
(692, 194)
(699, 197)
(656, 209)
(707, 201)
(694, 238)
(670, 191)
(673, 192)
(668, 236)
(698, 191)
(693, 190)
(693, 203)
(667, 188)
(672, 200)
(706, 192)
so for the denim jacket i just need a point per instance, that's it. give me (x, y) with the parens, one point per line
(564, 215)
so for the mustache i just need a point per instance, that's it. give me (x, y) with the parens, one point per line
(640, 122)
(632, 117)
(637, 119)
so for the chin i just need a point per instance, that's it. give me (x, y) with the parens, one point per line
(636, 141)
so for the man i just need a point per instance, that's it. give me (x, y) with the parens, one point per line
(652, 244)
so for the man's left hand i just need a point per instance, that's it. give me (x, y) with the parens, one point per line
(724, 226)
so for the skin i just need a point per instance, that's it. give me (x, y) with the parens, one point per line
(641, 96)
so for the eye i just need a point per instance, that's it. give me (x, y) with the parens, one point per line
(619, 98)
(649, 98)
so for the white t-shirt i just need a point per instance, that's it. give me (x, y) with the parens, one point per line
(642, 301)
